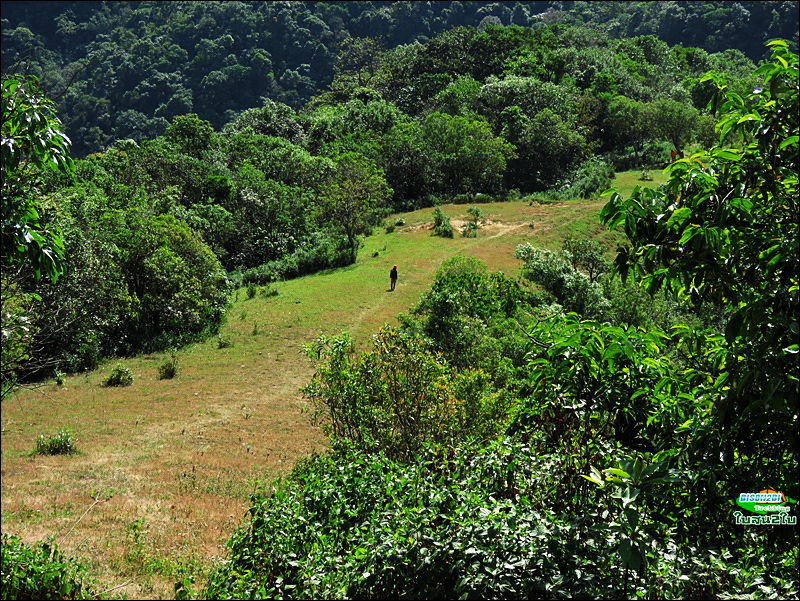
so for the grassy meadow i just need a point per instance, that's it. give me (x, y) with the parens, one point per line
(165, 468)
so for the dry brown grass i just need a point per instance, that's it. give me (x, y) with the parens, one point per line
(171, 463)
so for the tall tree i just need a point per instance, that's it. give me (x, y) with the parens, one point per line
(32, 142)
(348, 200)
(673, 121)
(723, 232)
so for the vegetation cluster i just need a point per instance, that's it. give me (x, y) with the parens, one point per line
(157, 230)
(42, 572)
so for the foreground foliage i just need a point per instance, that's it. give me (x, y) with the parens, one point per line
(463, 523)
(41, 572)
(724, 233)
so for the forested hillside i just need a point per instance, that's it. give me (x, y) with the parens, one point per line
(279, 191)
(125, 69)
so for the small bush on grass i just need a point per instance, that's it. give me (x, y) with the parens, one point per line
(119, 376)
(168, 369)
(268, 291)
(441, 224)
(41, 572)
(470, 230)
(399, 395)
(223, 342)
(61, 443)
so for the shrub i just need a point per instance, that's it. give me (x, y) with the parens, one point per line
(61, 443)
(460, 523)
(475, 213)
(479, 197)
(462, 304)
(41, 572)
(252, 289)
(321, 251)
(592, 177)
(119, 376)
(399, 395)
(441, 224)
(571, 289)
(268, 291)
(470, 230)
(389, 228)
(223, 342)
(586, 254)
(168, 369)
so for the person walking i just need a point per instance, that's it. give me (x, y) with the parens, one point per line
(393, 277)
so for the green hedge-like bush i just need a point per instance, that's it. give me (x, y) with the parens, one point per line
(169, 368)
(441, 224)
(321, 252)
(458, 523)
(41, 572)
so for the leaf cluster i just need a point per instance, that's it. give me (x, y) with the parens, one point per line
(42, 572)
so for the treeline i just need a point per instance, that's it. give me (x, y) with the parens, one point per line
(125, 69)
(279, 192)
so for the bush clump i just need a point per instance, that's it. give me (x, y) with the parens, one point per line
(400, 395)
(441, 224)
(62, 442)
(320, 252)
(169, 368)
(119, 376)
(41, 572)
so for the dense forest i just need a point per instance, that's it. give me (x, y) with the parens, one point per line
(276, 192)
(123, 70)
(578, 431)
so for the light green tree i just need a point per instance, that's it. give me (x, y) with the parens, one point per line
(347, 201)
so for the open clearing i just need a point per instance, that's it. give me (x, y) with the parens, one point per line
(167, 466)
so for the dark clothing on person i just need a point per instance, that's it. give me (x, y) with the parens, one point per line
(393, 277)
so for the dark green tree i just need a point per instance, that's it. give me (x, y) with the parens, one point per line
(723, 233)
(190, 134)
